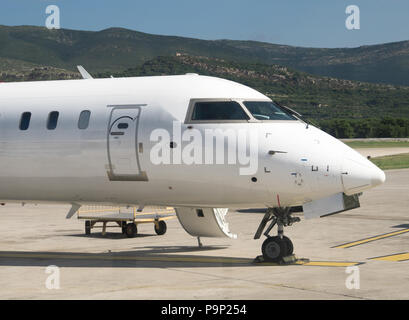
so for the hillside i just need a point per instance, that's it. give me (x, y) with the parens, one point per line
(343, 108)
(315, 97)
(117, 49)
(17, 70)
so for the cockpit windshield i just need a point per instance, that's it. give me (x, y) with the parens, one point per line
(267, 110)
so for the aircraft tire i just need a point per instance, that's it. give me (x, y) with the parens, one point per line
(123, 227)
(160, 228)
(131, 230)
(290, 246)
(274, 249)
(87, 227)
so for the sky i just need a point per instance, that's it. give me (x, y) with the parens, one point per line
(306, 23)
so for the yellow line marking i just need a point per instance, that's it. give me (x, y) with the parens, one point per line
(100, 210)
(152, 219)
(330, 264)
(302, 262)
(135, 215)
(139, 213)
(158, 212)
(241, 261)
(115, 209)
(137, 220)
(382, 236)
(394, 257)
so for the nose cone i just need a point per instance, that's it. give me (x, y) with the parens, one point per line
(359, 174)
(378, 177)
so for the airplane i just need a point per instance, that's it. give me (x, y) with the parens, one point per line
(200, 144)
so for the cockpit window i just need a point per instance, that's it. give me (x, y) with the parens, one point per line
(267, 110)
(218, 110)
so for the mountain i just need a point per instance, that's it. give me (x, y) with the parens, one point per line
(314, 96)
(116, 49)
(343, 108)
(17, 70)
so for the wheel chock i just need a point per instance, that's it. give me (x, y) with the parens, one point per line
(289, 259)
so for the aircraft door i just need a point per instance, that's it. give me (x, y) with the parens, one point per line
(124, 164)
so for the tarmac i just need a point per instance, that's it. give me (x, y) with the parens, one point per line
(45, 256)
(380, 152)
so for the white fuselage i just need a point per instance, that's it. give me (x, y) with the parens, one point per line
(107, 164)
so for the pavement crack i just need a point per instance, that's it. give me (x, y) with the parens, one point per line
(269, 284)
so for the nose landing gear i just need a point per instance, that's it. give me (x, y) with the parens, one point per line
(276, 248)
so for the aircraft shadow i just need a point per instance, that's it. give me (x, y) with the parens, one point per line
(142, 257)
(405, 226)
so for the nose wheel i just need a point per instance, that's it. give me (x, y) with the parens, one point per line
(289, 244)
(275, 248)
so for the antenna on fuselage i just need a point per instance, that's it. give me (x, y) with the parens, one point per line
(84, 73)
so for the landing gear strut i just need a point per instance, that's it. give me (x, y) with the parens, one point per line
(277, 247)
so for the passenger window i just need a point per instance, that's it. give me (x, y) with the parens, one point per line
(52, 120)
(25, 120)
(83, 120)
(218, 110)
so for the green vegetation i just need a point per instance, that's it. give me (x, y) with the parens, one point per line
(346, 109)
(317, 98)
(339, 107)
(343, 108)
(116, 49)
(398, 161)
(377, 144)
(367, 128)
(32, 72)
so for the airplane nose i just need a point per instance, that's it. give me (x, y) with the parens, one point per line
(359, 174)
(378, 177)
